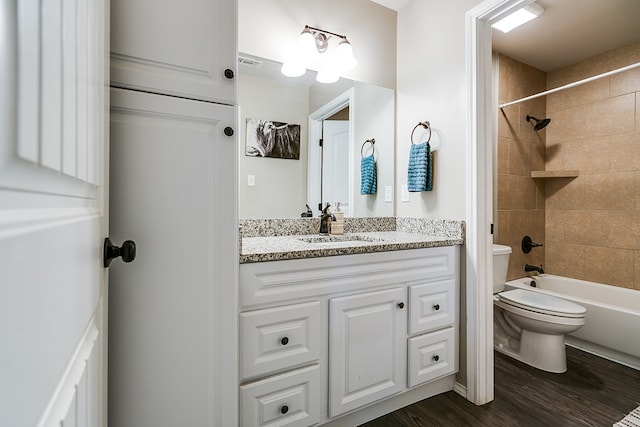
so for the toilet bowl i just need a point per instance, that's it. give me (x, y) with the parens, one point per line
(530, 326)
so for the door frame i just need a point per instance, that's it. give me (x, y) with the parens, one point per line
(481, 133)
(314, 166)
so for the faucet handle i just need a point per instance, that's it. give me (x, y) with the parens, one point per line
(528, 244)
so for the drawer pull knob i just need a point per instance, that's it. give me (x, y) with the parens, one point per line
(401, 305)
(284, 341)
(436, 358)
(284, 409)
(436, 307)
(228, 131)
(228, 73)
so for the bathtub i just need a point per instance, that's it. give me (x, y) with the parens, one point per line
(612, 328)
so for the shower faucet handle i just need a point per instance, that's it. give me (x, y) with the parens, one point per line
(528, 244)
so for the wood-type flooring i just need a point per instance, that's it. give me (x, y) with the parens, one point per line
(593, 392)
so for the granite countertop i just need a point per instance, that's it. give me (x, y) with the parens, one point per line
(263, 241)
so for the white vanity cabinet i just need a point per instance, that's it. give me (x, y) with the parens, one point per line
(360, 329)
(198, 61)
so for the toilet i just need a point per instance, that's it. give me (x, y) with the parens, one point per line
(530, 326)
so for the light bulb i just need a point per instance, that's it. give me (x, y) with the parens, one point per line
(344, 55)
(293, 68)
(306, 42)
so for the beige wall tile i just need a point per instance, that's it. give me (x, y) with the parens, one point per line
(637, 190)
(624, 152)
(594, 91)
(637, 111)
(612, 191)
(563, 155)
(626, 82)
(537, 156)
(611, 116)
(565, 259)
(624, 229)
(504, 200)
(503, 78)
(565, 193)
(636, 269)
(501, 232)
(593, 155)
(503, 155)
(556, 225)
(508, 122)
(519, 157)
(609, 266)
(566, 125)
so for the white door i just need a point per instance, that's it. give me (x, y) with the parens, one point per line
(53, 212)
(367, 348)
(173, 312)
(335, 163)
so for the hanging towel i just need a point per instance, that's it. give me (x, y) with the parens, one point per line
(420, 171)
(368, 175)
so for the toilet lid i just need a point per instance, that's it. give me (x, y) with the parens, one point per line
(542, 303)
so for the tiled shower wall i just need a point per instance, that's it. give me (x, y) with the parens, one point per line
(520, 150)
(593, 221)
(590, 225)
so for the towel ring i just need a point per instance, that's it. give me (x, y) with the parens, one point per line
(425, 125)
(371, 141)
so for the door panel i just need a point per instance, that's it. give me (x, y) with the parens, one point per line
(335, 164)
(172, 175)
(189, 63)
(52, 219)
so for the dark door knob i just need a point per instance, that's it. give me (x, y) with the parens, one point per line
(436, 307)
(436, 358)
(127, 251)
(400, 305)
(228, 73)
(284, 341)
(228, 131)
(284, 409)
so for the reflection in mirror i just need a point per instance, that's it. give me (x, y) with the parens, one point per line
(346, 112)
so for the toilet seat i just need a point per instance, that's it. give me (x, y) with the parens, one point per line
(542, 303)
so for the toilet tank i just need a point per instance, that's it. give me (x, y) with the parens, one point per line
(500, 266)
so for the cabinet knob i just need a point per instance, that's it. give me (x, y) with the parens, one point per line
(436, 307)
(401, 305)
(228, 131)
(284, 341)
(284, 409)
(228, 73)
(436, 358)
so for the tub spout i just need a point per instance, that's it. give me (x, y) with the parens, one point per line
(528, 267)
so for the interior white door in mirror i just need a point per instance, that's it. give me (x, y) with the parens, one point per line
(53, 212)
(335, 164)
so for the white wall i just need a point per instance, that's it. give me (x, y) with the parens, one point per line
(280, 189)
(373, 117)
(266, 28)
(431, 86)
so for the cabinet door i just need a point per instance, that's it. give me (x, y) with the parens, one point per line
(367, 350)
(173, 317)
(175, 48)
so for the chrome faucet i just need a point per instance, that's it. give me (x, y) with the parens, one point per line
(325, 220)
(528, 267)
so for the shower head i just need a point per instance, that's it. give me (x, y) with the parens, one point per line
(539, 124)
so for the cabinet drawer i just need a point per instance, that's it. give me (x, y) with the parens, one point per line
(432, 306)
(290, 399)
(279, 338)
(431, 356)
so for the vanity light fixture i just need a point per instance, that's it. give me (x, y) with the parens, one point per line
(313, 49)
(519, 17)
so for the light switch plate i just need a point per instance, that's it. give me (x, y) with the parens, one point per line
(404, 193)
(251, 180)
(388, 193)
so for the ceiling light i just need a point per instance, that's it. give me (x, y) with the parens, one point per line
(519, 17)
(313, 47)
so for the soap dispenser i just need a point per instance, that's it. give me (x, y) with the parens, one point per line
(337, 226)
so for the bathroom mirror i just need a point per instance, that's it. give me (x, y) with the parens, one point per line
(277, 187)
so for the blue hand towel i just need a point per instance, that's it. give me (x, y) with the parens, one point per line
(420, 171)
(368, 175)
